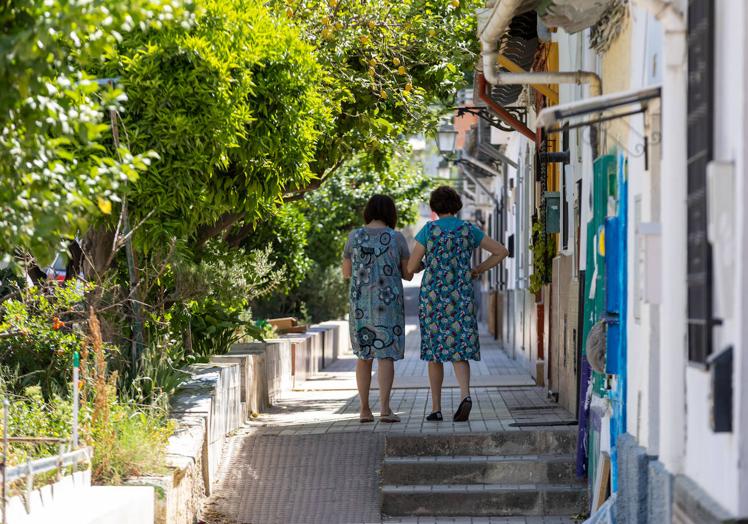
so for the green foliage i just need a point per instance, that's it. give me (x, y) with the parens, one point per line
(284, 233)
(543, 251)
(132, 442)
(158, 375)
(213, 298)
(135, 445)
(325, 294)
(332, 212)
(336, 208)
(54, 170)
(394, 66)
(230, 103)
(38, 335)
(29, 415)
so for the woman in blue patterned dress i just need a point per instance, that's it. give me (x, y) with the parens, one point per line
(376, 259)
(449, 329)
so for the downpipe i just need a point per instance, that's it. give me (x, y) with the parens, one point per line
(673, 310)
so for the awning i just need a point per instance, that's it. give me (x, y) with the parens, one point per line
(597, 109)
(478, 167)
(478, 183)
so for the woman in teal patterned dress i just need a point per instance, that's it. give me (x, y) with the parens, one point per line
(449, 329)
(375, 259)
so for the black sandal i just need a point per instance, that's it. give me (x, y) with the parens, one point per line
(436, 416)
(463, 411)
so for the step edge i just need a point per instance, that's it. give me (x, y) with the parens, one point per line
(464, 459)
(487, 488)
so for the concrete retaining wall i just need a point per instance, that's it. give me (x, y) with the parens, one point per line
(219, 396)
(73, 499)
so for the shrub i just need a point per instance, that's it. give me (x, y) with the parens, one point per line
(232, 107)
(39, 331)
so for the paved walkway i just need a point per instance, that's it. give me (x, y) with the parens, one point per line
(309, 460)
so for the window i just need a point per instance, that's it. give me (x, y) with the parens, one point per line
(700, 104)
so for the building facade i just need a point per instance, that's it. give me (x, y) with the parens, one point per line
(609, 157)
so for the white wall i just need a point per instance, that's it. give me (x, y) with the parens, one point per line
(642, 403)
(717, 461)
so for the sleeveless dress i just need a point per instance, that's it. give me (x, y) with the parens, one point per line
(377, 310)
(449, 329)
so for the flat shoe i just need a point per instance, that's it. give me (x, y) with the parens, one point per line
(436, 416)
(365, 420)
(390, 418)
(463, 411)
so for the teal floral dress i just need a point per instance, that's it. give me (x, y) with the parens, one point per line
(377, 310)
(449, 329)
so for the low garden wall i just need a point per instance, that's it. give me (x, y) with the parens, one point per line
(219, 396)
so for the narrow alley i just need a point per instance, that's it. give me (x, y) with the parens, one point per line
(309, 459)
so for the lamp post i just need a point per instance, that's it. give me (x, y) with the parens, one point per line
(446, 139)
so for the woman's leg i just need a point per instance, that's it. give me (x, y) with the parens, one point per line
(385, 375)
(436, 378)
(462, 373)
(363, 381)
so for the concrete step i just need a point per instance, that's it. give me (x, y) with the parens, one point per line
(502, 469)
(563, 441)
(479, 500)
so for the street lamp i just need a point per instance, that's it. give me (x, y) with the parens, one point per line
(446, 138)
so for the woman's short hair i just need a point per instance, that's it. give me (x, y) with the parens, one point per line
(381, 207)
(445, 201)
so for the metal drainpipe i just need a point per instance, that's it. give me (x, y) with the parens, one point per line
(493, 76)
(497, 24)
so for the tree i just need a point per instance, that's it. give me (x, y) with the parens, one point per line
(332, 212)
(55, 173)
(395, 65)
(337, 207)
(232, 106)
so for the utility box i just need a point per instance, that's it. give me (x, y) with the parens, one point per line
(552, 211)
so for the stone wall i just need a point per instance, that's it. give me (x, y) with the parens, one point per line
(219, 396)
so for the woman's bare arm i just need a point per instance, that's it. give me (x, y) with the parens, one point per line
(414, 264)
(347, 268)
(407, 275)
(498, 253)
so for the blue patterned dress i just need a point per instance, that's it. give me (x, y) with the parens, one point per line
(449, 329)
(377, 311)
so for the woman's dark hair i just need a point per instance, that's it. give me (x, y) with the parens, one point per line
(381, 207)
(445, 201)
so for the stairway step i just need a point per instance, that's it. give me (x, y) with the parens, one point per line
(562, 441)
(478, 500)
(502, 469)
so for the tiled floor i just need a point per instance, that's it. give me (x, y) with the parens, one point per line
(309, 459)
(331, 404)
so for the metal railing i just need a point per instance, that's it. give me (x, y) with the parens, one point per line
(66, 457)
(31, 468)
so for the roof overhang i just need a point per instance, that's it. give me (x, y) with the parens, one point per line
(478, 167)
(598, 108)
